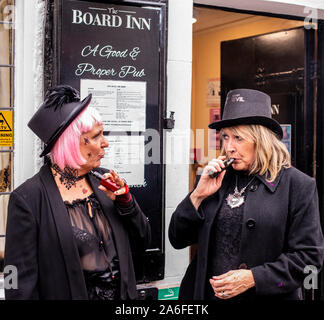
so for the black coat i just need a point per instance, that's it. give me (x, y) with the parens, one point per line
(40, 243)
(281, 234)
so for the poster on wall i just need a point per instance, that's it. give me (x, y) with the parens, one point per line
(213, 89)
(213, 135)
(121, 104)
(286, 138)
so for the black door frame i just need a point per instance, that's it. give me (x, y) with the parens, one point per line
(150, 266)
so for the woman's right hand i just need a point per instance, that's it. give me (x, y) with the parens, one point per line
(113, 176)
(207, 185)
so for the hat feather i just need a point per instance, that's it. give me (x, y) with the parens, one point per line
(59, 96)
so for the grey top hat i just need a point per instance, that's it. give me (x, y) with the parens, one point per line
(61, 106)
(247, 106)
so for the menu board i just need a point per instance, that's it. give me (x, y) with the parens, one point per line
(122, 104)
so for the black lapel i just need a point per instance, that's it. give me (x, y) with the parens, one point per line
(65, 235)
(271, 186)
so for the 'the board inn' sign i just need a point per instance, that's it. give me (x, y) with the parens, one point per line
(111, 19)
(109, 42)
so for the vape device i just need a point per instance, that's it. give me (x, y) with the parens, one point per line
(112, 186)
(227, 163)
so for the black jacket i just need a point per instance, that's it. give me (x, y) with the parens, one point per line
(281, 234)
(40, 243)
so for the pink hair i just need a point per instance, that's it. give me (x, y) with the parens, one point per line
(66, 151)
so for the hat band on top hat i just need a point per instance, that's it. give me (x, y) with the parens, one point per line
(264, 121)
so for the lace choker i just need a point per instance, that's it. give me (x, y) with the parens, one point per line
(68, 176)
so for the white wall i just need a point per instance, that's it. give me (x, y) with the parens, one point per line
(24, 94)
(28, 84)
(179, 66)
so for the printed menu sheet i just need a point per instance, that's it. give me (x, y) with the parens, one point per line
(122, 104)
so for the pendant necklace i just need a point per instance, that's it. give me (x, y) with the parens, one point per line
(236, 199)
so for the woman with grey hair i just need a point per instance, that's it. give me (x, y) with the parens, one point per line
(256, 223)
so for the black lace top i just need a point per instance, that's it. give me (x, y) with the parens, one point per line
(225, 238)
(92, 234)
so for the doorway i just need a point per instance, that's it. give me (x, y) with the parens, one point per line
(213, 28)
(275, 55)
(275, 63)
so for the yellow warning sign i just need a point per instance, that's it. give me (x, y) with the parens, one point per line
(6, 132)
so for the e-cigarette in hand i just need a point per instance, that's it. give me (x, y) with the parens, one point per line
(107, 183)
(227, 163)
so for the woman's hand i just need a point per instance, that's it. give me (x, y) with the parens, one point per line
(208, 185)
(232, 283)
(113, 176)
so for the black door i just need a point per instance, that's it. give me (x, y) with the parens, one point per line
(275, 63)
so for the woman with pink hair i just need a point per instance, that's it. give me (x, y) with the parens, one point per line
(68, 235)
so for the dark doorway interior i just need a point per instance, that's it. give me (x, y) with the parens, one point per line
(276, 64)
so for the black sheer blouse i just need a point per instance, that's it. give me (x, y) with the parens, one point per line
(92, 234)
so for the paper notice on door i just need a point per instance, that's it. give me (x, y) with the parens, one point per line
(122, 104)
(213, 89)
(125, 155)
